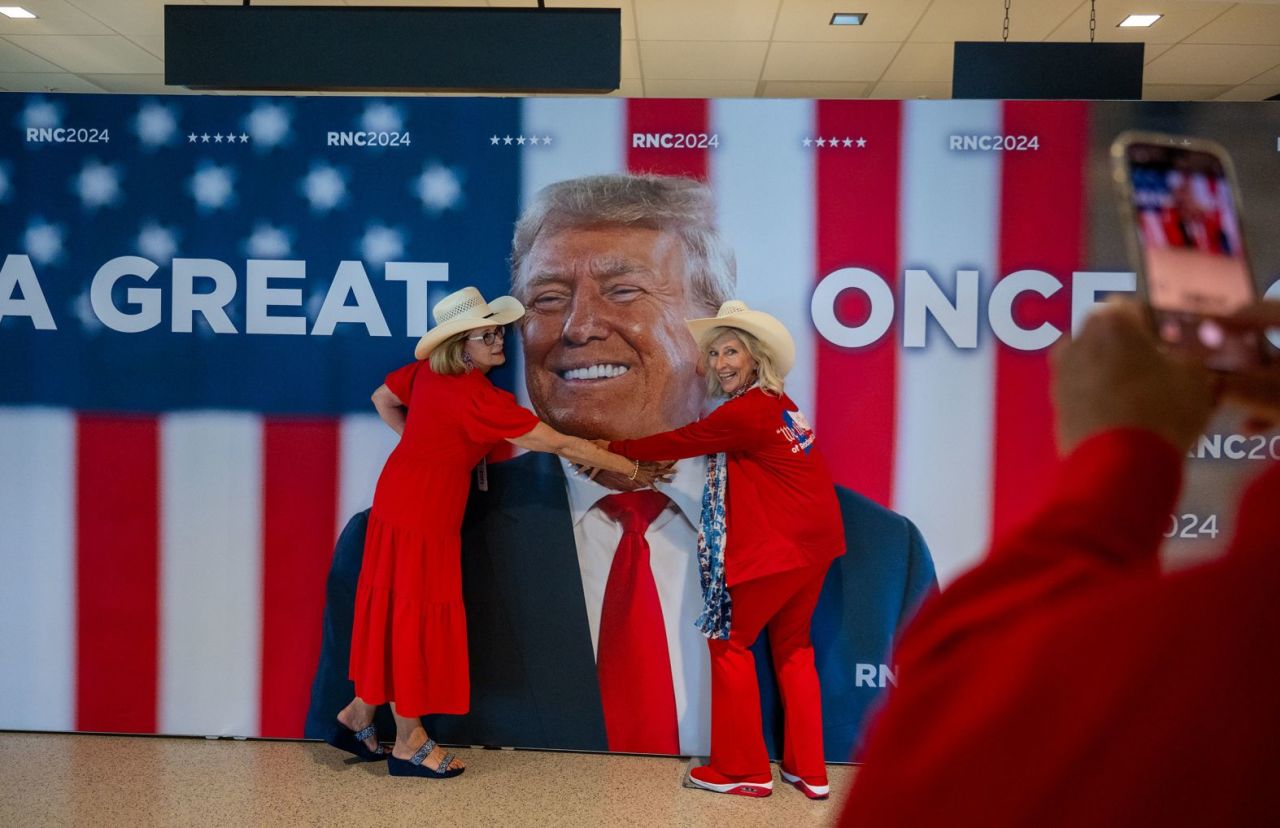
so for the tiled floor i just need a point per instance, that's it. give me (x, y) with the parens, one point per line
(55, 779)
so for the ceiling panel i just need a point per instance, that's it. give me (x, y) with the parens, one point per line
(136, 84)
(129, 17)
(1151, 51)
(1180, 19)
(154, 45)
(664, 59)
(732, 48)
(811, 19)
(947, 21)
(815, 89)
(700, 88)
(629, 66)
(97, 53)
(705, 19)
(1250, 92)
(1269, 76)
(629, 88)
(16, 59)
(54, 17)
(922, 62)
(1181, 92)
(1197, 63)
(906, 90)
(627, 6)
(829, 61)
(46, 82)
(1242, 24)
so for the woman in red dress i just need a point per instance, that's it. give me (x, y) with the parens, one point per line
(771, 526)
(409, 640)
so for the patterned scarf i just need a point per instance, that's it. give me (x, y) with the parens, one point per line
(717, 608)
(717, 605)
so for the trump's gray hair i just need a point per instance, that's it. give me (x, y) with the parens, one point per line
(677, 205)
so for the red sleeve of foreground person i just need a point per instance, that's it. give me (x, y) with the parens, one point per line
(1066, 681)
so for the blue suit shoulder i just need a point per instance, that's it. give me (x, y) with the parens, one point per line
(885, 549)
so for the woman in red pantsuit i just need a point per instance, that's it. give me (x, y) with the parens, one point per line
(409, 640)
(771, 526)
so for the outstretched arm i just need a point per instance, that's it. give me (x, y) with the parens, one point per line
(729, 428)
(577, 450)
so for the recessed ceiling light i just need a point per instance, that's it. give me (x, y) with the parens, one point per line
(1139, 20)
(848, 18)
(17, 13)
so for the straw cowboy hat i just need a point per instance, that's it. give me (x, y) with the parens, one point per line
(466, 310)
(736, 314)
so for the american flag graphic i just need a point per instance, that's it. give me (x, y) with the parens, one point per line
(169, 497)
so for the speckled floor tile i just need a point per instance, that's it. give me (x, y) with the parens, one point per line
(60, 779)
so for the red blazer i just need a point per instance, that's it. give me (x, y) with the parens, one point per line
(1067, 681)
(782, 511)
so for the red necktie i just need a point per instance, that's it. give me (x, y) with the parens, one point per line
(631, 656)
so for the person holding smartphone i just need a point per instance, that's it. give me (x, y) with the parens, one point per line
(1066, 679)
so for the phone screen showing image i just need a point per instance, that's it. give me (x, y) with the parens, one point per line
(1191, 243)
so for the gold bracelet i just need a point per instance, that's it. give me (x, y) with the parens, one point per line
(635, 471)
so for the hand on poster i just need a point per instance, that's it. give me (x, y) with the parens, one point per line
(1114, 375)
(648, 473)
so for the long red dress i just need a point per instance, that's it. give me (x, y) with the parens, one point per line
(409, 639)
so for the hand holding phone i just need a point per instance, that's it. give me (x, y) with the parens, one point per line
(1182, 207)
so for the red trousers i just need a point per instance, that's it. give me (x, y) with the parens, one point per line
(784, 603)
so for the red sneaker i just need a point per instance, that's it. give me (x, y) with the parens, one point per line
(809, 789)
(704, 777)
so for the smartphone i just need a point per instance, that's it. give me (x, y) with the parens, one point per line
(1182, 205)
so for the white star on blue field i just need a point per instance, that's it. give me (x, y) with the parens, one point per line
(98, 185)
(211, 186)
(381, 244)
(41, 114)
(381, 117)
(324, 188)
(268, 242)
(268, 125)
(438, 187)
(155, 125)
(157, 242)
(43, 242)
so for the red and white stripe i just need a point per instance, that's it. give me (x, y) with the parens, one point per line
(166, 573)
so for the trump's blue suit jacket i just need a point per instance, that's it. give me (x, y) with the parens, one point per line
(533, 673)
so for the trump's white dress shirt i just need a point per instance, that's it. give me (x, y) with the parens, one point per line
(673, 557)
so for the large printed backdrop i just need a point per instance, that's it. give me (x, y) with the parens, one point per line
(199, 293)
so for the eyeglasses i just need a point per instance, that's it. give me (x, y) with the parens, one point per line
(490, 337)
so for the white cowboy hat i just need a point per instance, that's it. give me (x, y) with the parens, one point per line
(736, 314)
(466, 310)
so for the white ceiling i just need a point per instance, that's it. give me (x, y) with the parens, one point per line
(1204, 50)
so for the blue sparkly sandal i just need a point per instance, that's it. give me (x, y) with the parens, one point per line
(414, 767)
(343, 738)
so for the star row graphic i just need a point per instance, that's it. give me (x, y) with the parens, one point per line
(519, 140)
(439, 187)
(845, 143)
(218, 138)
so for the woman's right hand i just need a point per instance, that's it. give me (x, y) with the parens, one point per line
(652, 471)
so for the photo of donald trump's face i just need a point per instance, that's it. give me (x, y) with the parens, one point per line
(609, 268)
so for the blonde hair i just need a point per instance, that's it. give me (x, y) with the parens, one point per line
(447, 357)
(767, 375)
